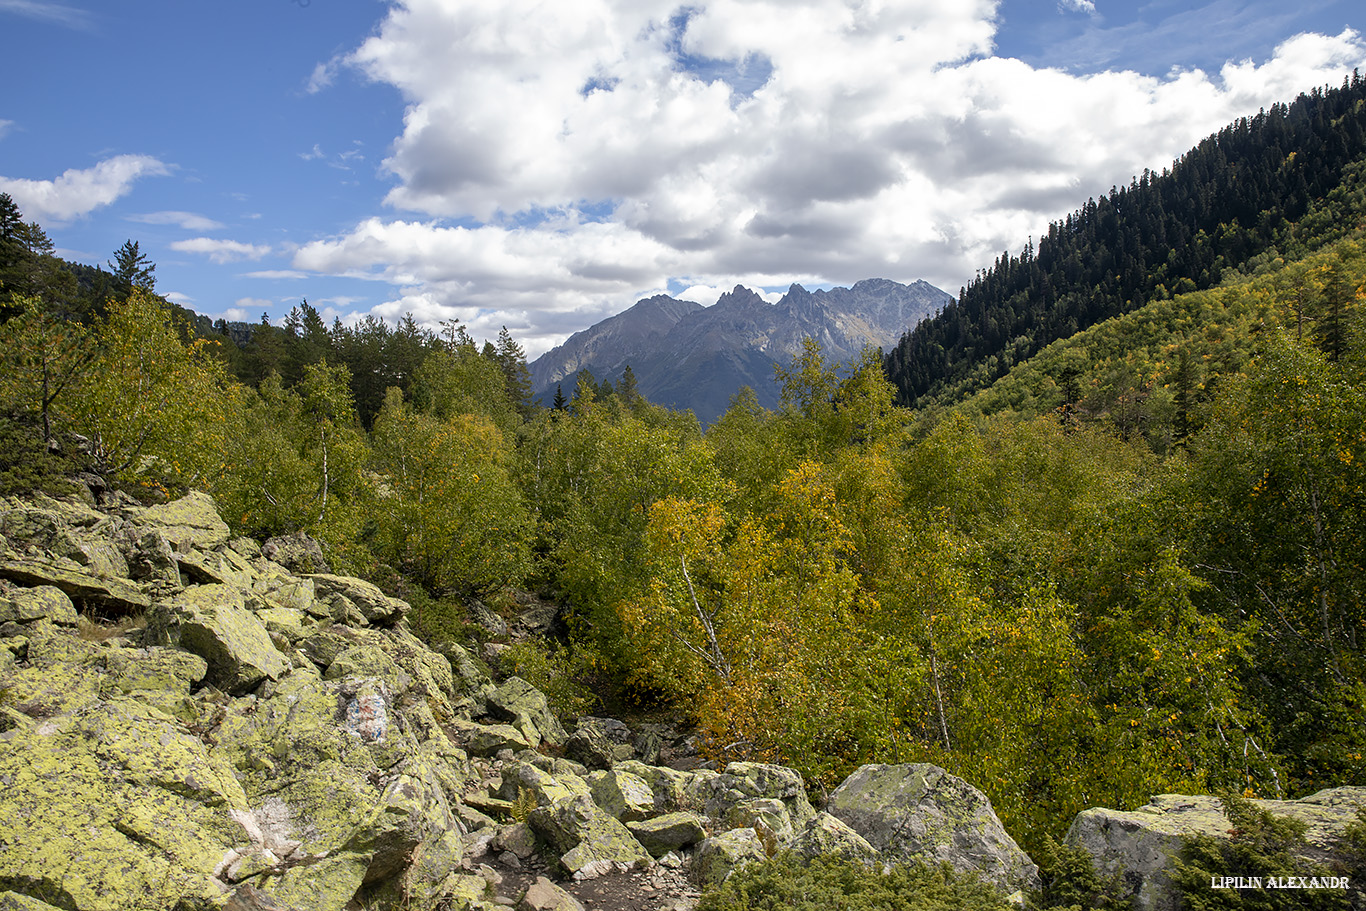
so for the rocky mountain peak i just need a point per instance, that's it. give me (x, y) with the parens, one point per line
(688, 356)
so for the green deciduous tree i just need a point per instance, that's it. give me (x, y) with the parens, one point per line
(448, 512)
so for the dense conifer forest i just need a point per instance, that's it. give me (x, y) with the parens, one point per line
(1224, 202)
(1131, 563)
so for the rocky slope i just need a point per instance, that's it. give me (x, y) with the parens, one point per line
(190, 720)
(688, 356)
(245, 730)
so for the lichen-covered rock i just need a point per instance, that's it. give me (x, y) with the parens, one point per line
(46, 602)
(669, 832)
(289, 624)
(599, 743)
(524, 707)
(624, 796)
(525, 778)
(747, 780)
(377, 607)
(365, 661)
(766, 815)
(719, 855)
(1136, 847)
(148, 555)
(13, 901)
(190, 522)
(61, 675)
(210, 621)
(543, 895)
(50, 531)
(125, 783)
(213, 568)
(921, 812)
(589, 842)
(116, 807)
(80, 585)
(826, 835)
(297, 553)
(487, 739)
(670, 786)
(469, 676)
(290, 593)
(154, 668)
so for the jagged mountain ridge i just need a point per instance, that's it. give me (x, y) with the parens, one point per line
(685, 355)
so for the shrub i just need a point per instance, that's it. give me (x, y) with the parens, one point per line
(783, 883)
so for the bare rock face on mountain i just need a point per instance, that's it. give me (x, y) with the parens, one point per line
(684, 355)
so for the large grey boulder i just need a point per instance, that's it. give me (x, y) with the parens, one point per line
(1137, 847)
(190, 522)
(717, 857)
(376, 607)
(669, 832)
(590, 842)
(46, 602)
(521, 705)
(210, 621)
(921, 812)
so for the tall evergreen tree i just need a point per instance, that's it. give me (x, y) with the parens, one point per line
(512, 360)
(132, 268)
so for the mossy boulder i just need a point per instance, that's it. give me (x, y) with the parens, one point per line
(211, 621)
(623, 795)
(589, 842)
(719, 855)
(46, 602)
(190, 522)
(669, 832)
(116, 807)
(919, 812)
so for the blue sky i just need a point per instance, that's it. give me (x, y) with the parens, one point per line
(543, 165)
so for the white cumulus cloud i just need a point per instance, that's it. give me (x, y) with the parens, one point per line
(78, 192)
(190, 221)
(596, 151)
(221, 251)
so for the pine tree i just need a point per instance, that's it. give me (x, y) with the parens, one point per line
(512, 360)
(132, 268)
(627, 389)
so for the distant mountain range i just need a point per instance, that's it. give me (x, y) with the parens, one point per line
(685, 355)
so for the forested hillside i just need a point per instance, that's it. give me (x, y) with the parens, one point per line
(1133, 566)
(1225, 201)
